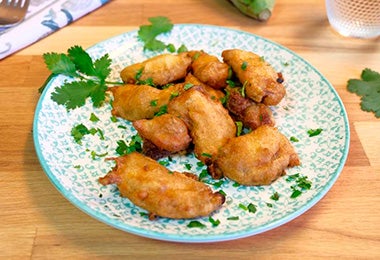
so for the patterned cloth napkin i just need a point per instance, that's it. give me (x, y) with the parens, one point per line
(43, 18)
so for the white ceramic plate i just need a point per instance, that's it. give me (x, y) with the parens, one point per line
(311, 102)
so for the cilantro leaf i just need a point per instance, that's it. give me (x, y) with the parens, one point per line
(148, 33)
(102, 67)
(82, 60)
(60, 64)
(72, 94)
(368, 87)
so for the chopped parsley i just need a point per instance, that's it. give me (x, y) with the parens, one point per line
(314, 132)
(195, 224)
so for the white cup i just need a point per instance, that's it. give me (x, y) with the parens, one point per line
(355, 18)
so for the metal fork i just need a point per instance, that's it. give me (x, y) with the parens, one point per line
(12, 11)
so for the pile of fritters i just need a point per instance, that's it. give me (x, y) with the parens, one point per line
(192, 102)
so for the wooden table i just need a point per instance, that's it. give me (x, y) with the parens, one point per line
(37, 222)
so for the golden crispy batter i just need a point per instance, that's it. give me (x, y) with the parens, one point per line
(154, 188)
(214, 93)
(257, 158)
(262, 82)
(134, 102)
(250, 113)
(161, 69)
(209, 69)
(167, 132)
(209, 122)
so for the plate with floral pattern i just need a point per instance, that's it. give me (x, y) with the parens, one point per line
(311, 103)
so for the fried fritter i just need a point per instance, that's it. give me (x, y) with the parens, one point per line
(214, 93)
(250, 113)
(209, 122)
(257, 158)
(161, 69)
(209, 69)
(167, 132)
(161, 192)
(262, 83)
(134, 102)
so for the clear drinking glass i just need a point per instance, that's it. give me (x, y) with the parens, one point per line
(355, 18)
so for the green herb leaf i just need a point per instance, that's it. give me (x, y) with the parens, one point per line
(148, 33)
(60, 64)
(251, 208)
(195, 224)
(233, 218)
(214, 222)
(82, 60)
(314, 132)
(244, 65)
(368, 88)
(78, 132)
(275, 196)
(294, 139)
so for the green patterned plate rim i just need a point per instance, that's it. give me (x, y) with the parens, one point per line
(311, 102)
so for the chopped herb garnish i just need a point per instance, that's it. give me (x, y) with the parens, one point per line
(195, 224)
(242, 206)
(182, 48)
(173, 95)
(188, 86)
(135, 145)
(206, 155)
(269, 205)
(233, 218)
(78, 132)
(275, 196)
(222, 192)
(294, 139)
(251, 208)
(188, 166)
(236, 184)
(203, 174)
(94, 155)
(296, 193)
(170, 47)
(94, 118)
(314, 132)
(164, 163)
(239, 128)
(214, 222)
(114, 119)
(153, 103)
(242, 91)
(163, 110)
(244, 65)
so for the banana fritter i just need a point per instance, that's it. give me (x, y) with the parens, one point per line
(160, 70)
(209, 122)
(257, 158)
(161, 192)
(262, 83)
(134, 102)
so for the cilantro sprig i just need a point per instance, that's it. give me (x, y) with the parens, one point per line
(89, 77)
(368, 88)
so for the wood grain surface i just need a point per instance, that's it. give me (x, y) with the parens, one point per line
(37, 222)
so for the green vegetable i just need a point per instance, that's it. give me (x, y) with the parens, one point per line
(275, 196)
(214, 222)
(294, 139)
(89, 77)
(314, 132)
(195, 224)
(368, 88)
(233, 218)
(148, 33)
(257, 9)
(78, 132)
(135, 145)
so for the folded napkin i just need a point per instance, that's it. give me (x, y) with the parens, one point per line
(44, 17)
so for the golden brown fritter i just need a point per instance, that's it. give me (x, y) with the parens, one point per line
(154, 188)
(214, 93)
(262, 83)
(209, 122)
(134, 102)
(209, 69)
(161, 69)
(167, 132)
(250, 113)
(257, 158)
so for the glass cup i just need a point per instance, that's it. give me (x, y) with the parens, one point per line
(355, 18)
